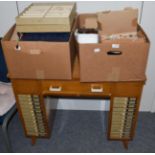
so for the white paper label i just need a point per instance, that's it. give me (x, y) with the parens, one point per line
(35, 51)
(96, 50)
(115, 45)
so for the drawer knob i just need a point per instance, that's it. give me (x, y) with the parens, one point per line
(57, 89)
(96, 90)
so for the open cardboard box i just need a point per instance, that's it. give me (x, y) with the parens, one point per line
(113, 60)
(38, 59)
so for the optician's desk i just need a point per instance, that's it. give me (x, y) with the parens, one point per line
(124, 103)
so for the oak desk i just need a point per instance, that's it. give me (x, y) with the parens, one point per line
(124, 103)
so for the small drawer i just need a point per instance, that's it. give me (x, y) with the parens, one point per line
(130, 109)
(27, 114)
(119, 123)
(115, 135)
(118, 114)
(133, 99)
(29, 126)
(130, 105)
(26, 107)
(119, 105)
(39, 116)
(130, 113)
(130, 117)
(118, 120)
(38, 110)
(37, 107)
(120, 100)
(117, 130)
(75, 88)
(114, 127)
(119, 110)
(117, 126)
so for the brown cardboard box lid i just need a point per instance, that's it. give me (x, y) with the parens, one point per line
(113, 22)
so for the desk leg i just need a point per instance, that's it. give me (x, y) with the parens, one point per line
(33, 140)
(125, 143)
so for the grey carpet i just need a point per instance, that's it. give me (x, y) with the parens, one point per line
(82, 131)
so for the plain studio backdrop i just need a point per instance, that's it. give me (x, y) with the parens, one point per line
(9, 10)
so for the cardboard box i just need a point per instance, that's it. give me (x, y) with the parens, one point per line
(113, 60)
(115, 22)
(47, 17)
(38, 59)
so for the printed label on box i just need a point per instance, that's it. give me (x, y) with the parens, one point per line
(97, 50)
(115, 45)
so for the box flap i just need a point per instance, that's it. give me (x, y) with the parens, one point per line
(123, 21)
(91, 23)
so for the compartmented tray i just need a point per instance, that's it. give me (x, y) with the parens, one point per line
(46, 17)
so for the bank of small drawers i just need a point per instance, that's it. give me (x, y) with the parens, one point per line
(122, 117)
(32, 115)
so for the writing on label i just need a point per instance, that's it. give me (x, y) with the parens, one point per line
(115, 45)
(96, 50)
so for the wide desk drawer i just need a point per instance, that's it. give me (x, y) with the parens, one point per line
(75, 88)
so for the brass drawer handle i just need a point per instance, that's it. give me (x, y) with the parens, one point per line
(96, 90)
(57, 89)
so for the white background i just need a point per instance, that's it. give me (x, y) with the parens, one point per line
(9, 10)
